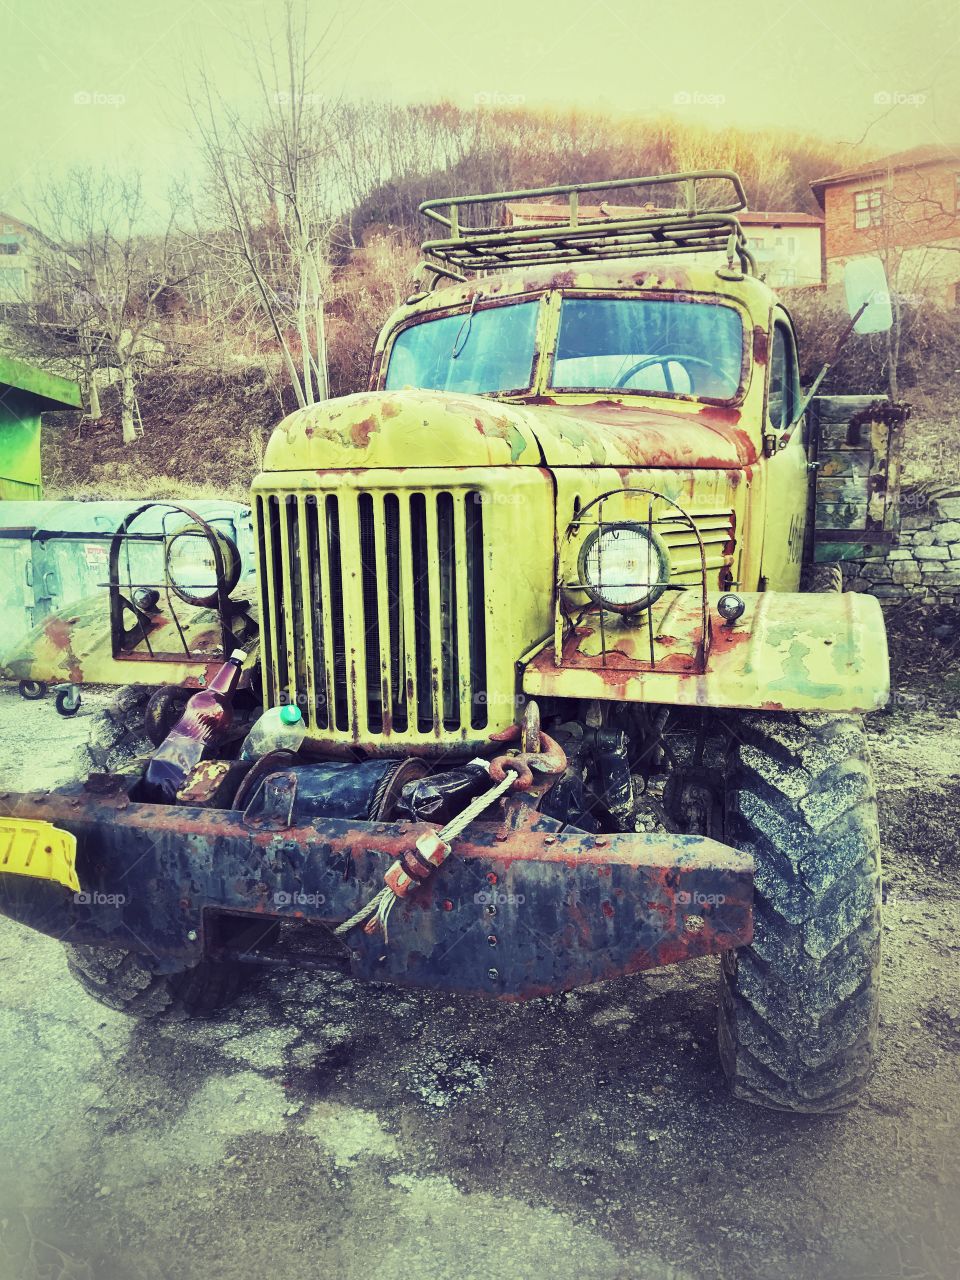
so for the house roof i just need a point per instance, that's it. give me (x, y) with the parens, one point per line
(786, 218)
(27, 227)
(929, 153)
(545, 212)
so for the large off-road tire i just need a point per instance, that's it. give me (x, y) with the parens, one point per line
(117, 733)
(125, 980)
(823, 577)
(798, 1007)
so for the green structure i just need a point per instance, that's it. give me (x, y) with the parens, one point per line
(25, 393)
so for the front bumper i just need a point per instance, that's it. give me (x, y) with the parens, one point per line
(521, 909)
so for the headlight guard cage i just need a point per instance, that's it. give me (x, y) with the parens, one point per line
(124, 587)
(635, 507)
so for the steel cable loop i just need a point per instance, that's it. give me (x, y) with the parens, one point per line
(382, 903)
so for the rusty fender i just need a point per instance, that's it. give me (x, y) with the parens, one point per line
(521, 909)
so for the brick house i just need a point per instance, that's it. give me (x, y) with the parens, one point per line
(903, 208)
(788, 247)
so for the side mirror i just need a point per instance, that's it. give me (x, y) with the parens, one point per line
(868, 295)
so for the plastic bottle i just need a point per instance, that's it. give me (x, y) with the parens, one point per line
(278, 727)
(206, 718)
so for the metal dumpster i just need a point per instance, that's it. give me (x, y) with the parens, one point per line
(54, 555)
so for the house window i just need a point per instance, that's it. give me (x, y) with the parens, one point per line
(868, 209)
(9, 246)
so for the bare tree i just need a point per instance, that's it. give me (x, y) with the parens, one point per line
(905, 223)
(271, 184)
(107, 275)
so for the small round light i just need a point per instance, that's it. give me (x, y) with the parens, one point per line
(624, 567)
(730, 607)
(146, 598)
(192, 567)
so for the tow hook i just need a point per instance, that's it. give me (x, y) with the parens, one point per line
(538, 753)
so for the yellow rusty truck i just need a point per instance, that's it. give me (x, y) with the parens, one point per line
(565, 543)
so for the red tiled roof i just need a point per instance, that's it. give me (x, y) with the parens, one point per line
(929, 153)
(544, 211)
(787, 218)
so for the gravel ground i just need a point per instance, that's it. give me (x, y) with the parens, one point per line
(321, 1128)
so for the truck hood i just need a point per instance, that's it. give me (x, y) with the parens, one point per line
(413, 428)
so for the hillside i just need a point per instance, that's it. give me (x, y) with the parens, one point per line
(204, 435)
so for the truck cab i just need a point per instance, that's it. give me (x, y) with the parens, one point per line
(424, 541)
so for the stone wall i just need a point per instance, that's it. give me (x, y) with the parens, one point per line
(924, 563)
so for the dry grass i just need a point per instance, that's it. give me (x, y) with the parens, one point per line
(204, 435)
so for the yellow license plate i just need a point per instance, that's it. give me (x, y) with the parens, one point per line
(38, 849)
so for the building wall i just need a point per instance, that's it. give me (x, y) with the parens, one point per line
(923, 203)
(930, 273)
(920, 228)
(17, 261)
(787, 254)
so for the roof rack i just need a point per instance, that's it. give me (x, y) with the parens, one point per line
(693, 227)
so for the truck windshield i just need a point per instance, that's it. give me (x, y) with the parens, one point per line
(647, 344)
(490, 350)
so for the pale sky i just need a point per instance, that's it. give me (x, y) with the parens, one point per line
(101, 81)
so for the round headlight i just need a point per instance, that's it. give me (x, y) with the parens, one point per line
(192, 567)
(624, 567)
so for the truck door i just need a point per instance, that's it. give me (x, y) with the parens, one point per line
(787, 473)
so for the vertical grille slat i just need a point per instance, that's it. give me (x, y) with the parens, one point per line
(374, 612)
(421, 565)
(307, 632)
(408, 623)
(391, 515)
(432, 619)
(281, 686)
(476, 607)
(339, 702)
(382, 660)
(295, 616)
(449, 606)
(356, 620)
(317, 611)
(323, 618)
(462, 589)
(266, 595)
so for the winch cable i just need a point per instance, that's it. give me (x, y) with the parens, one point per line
(381, 904)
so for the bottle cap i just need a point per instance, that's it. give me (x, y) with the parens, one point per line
(290, 715)
(238, 655)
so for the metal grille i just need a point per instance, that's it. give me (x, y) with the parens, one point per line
(373, 611)
(717, 529)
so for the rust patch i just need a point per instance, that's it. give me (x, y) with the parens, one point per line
(360, 432)
(761, 342)
(57, 631)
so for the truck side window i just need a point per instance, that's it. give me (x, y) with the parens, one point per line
(783, 379)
